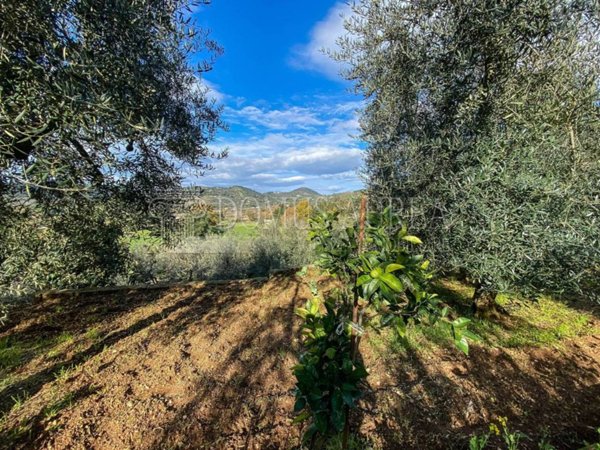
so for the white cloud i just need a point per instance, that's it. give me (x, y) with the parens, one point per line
(210, 89)
(309, 145)
(277, 119)
(323, 38)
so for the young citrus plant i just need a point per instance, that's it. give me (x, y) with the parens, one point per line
(383, 284)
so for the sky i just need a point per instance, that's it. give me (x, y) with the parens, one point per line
(292, 118)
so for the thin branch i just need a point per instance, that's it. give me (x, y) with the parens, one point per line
(41, 186)
(98, 176)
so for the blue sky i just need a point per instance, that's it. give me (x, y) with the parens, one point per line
(292, 118)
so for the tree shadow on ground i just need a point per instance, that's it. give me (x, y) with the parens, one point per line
(459, 294)
(247, 393)
(440, 406)
(231, 348)
(35, 381)
(246, 400)
(115, 307)
(536, 322)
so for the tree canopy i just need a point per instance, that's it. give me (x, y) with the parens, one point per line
(481, 122)
(100, 108)
(102, 93)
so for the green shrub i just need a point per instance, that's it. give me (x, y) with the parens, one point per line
(142, 241)
(222, 257)
(327, 374)
(74, 243)
(383, 284)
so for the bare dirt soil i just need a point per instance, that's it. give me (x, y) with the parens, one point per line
(209, 366)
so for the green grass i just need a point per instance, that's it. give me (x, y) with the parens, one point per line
(62, 374)
(11, 353)
(544, 323)
(93, 334)
(19, 400)
(64, 338)
(244, 230)
(51, 411)
(59, 343)
(14, 353)
(19, 432)
(6, 379)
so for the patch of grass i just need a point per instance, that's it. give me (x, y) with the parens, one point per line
(54, 353)
(453, 291)
(51, 411)
(386, 344)
(6, 380)
(19, 400)
(64, 338)
(11, 353)
(62, 374)
(19, 432)
(59, 343)
(93, 334)
(244, 230)
(545, 322)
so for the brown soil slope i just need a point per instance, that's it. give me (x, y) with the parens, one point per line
(208, 366)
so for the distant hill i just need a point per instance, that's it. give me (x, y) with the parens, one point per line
(240, 193)
(232, 192)
(242, 202)
(300, 192)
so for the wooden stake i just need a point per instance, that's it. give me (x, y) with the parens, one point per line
(354, 338)
(361, 222)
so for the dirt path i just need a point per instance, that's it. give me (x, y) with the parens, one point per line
(209, 367)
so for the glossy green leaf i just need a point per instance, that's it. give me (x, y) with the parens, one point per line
(370, 288)
(376, 272)
(461, 322)
(393, 282)
(401, 327)
(393, 267)
(463, 345)
(412, 239)
(302, 312)
(363, 279)
(301, 417)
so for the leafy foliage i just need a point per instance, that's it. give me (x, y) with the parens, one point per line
(382, 284)
(481, 122)
(143, 241)
(102, 94)
(327, 375)
(76, 244)
(99, 108)
(226, 256)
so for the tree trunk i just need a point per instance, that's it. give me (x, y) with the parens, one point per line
(484, 303)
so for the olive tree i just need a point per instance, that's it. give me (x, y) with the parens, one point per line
(481, 123)
(98, 101)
